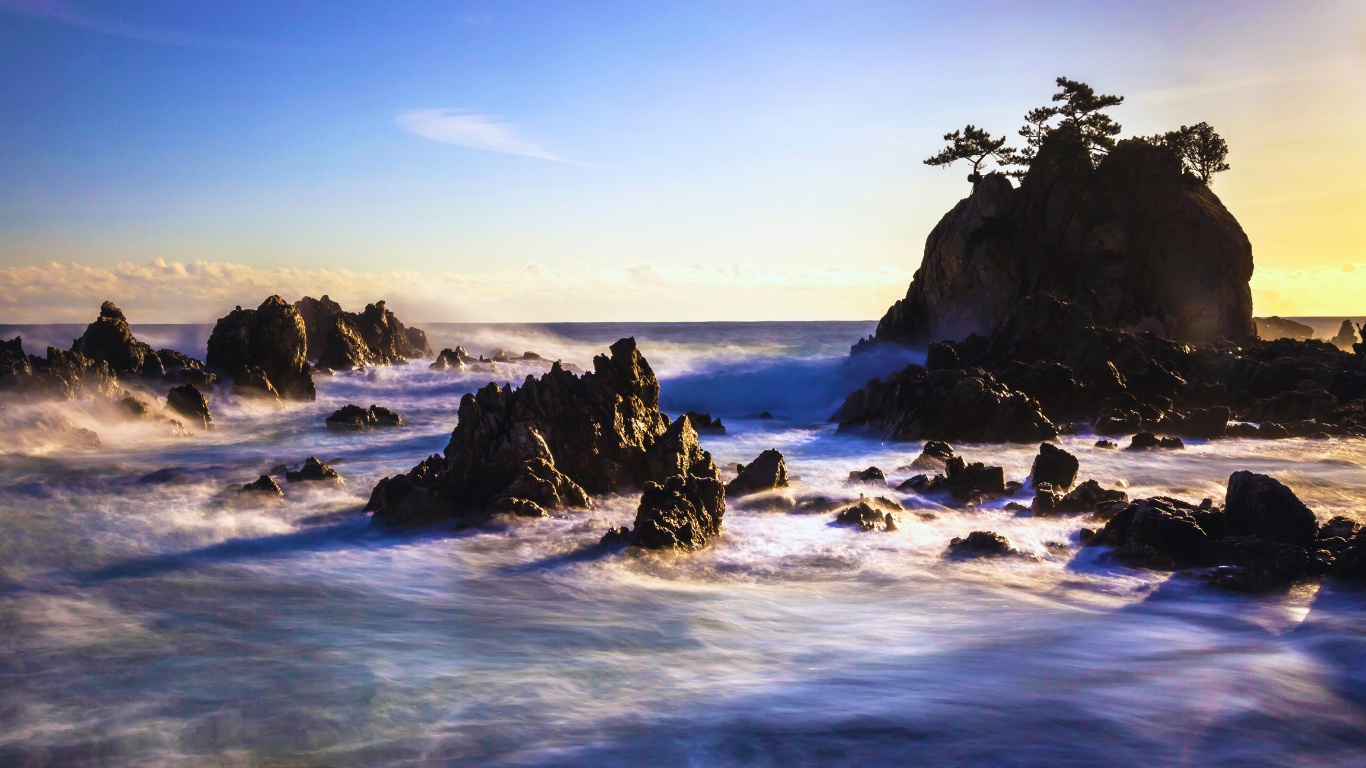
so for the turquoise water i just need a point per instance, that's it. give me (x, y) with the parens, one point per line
(149, 617)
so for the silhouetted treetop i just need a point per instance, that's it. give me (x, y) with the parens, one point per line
(976, 146)
(1202, 151)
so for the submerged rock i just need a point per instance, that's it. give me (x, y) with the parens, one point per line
(354, 418)
(981, 544)
(595, 432)
(864, 517)
(264, 486)
(191, 404)
(110, 340)
(1147, 441)
(871, 475)
(314, 471)
(935, 455)
(263, 349)
(767, 472)
(683, 513)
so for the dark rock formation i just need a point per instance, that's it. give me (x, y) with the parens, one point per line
(1161, 533)
(869, 475)
(183, 369)
(767, 472)
(1257, 505)
(64, 375)
(552, 441)
(451, 358)
(949, 404)
(109, 340)
(981, 544)
(705, 424)
(263, 349)
(314, 471)
(683, 513)
(191, 404)
(1108, 445)
(1271, 328)
(964, 483)
(339, 340)
(353, 418)
(1346, 337)
(935, 455)
(1134, 242)
(1055, 467)
(1090, 497)
(1147, 441)
(864, 517)
(264, 486)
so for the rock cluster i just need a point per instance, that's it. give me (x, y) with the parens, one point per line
(1263, 537)
(981, 544)
(550, 443)
(353, 418)
(866, 517)
(110, 340)
(339, 340)
(66, 375)
(451, 358)
(963, 483)
(263, 350)
(1271, 328)
(1049, 363)
(1133, 242)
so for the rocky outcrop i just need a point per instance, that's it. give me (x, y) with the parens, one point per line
(314, 471)
(1346, 336)
(61, 374)
(339, 340)
(264, 487)
(683, 513)
(110, 340)
(705, 423)
(553, 441)
(190, 404)
(1258, 505)
(1050, 354)
(451, 358)
(866, 518)
(263, 350)
(981, 544)
(1271, 328)
(353, 418)
(767, 472)
(1054, 466)
(1133, 242)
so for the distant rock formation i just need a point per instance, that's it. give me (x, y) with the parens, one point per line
(110, 340)
(549, 443)
(65, 375)
(1134, 243)
(1346, 338)
(1271, 328)
(339, 340)
(264, 350)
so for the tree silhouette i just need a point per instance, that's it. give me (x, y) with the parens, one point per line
(976, 146)
(1202, 151)
(1081, 109)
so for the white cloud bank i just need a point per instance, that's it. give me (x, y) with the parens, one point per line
(172, 292)
(450, 126)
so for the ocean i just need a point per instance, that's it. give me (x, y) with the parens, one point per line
(150, 616)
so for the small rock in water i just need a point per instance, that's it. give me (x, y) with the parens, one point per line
(1107, 444)
(616, 537)
(1146, 441)
(981, 544)
(935, 455)
(1054, 466)
(264, 486)
(354, 418)
(314, 471)
(1046, 500)
(190, 403)
(865, 518)
(767, 472)
(869, 475)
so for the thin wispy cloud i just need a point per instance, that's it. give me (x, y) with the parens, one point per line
(61, 12)
(486, 132)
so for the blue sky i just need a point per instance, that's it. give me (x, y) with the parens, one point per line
(593, 161)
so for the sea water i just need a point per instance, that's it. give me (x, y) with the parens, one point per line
(151, 616)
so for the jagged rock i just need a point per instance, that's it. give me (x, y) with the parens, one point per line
(191, 404)
(264, 349)
(616, 537)
(134, 409)
(1089, 497)
(264, 486)
(1201, 423)
(1346, 336)
(183, 369)
(343, 347)
(869, 475)
(110, 340)
(339, 340)
(1331, 544)
(683, 513)
(1161, 533)
(705, 424)
(1134, 241)
(864, 517)
(1046, 500)
(354, 418)
(1270, 328)
(451, 358)
(981, 544)
(767, 472)
(935, 455)
(317, 315)
(1107, 444)
(1055, 467)
(951, 404)
(61, 374)
(597, 430)
(314, 471)
(1257, 505)
(1147, 441)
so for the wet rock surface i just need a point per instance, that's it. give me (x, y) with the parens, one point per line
(866, 517)
(353, 418)
(191, 405)
(264, 349)
(767, 472)
(683, 513)
(451, 359)
(981, 544)
(264, 486)
(313, 471)
(565, 435)
(1054, 466)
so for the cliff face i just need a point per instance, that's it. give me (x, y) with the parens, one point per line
(1134, 242)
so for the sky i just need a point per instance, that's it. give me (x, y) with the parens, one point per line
(550, 161)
